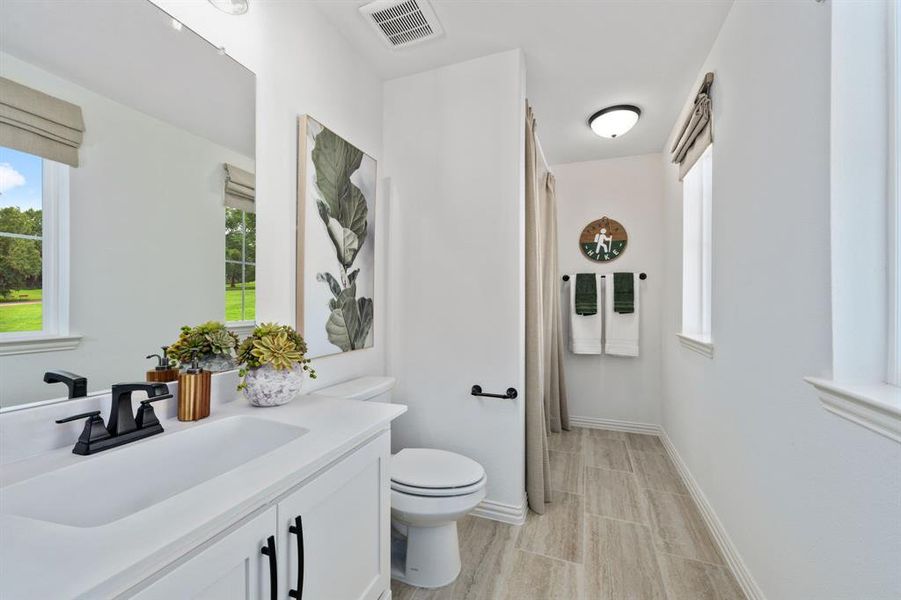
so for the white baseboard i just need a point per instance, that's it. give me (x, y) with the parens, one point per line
(505, 513)
(723, 541)
(615, 425)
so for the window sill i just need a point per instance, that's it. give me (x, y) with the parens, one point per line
(874, 406)
(695, 344)
(241, 328)
(38, 343)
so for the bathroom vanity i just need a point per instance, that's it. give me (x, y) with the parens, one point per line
(249, 503)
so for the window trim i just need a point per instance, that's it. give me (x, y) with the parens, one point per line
(695, 344)
(701, 339)
(893, 358)
(874, 402)
(241, 328)
(56, 249)
(875, 407)
(54, 335)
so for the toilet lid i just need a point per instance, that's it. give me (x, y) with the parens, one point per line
(434, 469)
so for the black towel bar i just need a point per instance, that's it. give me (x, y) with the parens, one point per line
(509, 394)
(641, 276)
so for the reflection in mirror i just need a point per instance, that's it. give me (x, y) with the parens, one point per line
(127, 191)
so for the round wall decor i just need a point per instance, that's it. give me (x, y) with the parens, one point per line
(603, 240)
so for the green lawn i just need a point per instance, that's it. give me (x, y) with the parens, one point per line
(20, 317)
(17, 316)
(233, 303)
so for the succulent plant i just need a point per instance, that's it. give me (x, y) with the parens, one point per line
(210, 338)
(276, 345)
(276, 350)
(221, 341)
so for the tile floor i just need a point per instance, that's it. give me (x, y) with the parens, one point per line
(622, 527)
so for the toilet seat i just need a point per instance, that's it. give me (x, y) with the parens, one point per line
(431, 472)
(438, 492)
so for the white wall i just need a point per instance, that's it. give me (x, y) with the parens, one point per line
(810, 500)
(303, 66)
(146, 241)
(453, 152)
(629, 190)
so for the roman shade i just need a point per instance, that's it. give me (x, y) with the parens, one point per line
(240, 188)
(39, 124)
(697, 131)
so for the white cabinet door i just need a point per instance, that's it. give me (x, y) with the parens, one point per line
(231, 568)
(344, 520)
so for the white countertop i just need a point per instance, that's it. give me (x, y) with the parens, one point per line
(39, 559)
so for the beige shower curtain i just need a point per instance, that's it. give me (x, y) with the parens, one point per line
(545, 389)
(556, 411)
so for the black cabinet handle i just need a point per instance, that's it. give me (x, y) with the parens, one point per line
(297, 529)
(269, 550)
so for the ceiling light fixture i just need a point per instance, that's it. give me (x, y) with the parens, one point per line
(614, 121)
(176, 25)
(232, 7)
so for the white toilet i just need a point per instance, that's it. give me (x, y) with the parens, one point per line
(430, 491)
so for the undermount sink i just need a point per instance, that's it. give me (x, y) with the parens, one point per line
(111, 486)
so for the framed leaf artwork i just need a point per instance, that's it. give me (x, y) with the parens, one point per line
(336, 184)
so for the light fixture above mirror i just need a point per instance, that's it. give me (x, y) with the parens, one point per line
(232, 7)
(614, 121)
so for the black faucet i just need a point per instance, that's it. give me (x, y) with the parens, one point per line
(78, 385)
(123, 426)
(121, 414)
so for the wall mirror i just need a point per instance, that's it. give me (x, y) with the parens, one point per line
(118, 220)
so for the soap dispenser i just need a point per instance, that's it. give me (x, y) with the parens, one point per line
(163, 372)
(194, 393)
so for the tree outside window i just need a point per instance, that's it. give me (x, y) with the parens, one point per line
(240, 265)
(21, 241)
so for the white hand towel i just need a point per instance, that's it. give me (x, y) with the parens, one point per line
(586, 331)
(622, 329)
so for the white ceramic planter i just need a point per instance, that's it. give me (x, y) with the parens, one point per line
(267, 386)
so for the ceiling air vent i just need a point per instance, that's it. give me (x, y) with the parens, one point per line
(402, 23)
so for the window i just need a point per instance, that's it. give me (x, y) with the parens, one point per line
(696, 264)
(240, 266)
(33, 265)
(865, 150)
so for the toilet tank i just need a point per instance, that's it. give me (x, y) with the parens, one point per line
(376, 389)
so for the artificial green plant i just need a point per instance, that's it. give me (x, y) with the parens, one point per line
(210, 338)
(276, 345)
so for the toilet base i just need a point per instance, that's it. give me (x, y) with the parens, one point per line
(432, 556)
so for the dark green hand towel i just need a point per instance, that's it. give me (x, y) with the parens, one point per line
(624, 293)
(586, 294)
